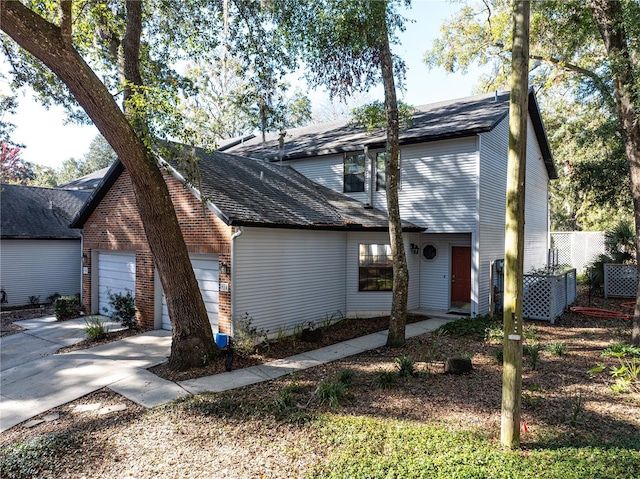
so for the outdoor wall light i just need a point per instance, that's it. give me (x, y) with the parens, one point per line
(415, 249)
(224, 267)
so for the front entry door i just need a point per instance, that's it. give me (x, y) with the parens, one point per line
(461, 277)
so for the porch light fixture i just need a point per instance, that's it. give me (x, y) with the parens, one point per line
(223, 267)
(415, 249)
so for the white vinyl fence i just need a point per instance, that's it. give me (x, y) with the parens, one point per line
(578, 249)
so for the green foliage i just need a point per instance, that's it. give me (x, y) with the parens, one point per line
(621, 350)
(34, 300)
(95, 328)
(498, 355)
(533, 351)
(372, 116)
(366, 447)
(406, 366)
(66, 307)
(472, 328)
(246, 336)
(386, 379)
(331, 392)
(122, 308)
(626, 375)
(346, 376)
(574, 407)
(557, 349)
(620, 242)
(52, 298)
(41, 456)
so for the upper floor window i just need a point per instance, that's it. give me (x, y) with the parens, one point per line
(381, 171)
(354, 172)
(375, 267)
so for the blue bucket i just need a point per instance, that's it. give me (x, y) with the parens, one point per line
(222, 340)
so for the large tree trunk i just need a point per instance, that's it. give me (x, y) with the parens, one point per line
(192, 336)
(514, 229)
(398, 319)
(610, 21)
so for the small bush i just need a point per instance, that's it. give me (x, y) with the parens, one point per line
(406, 366)
(386, 379)
(619, 350)
(557, 349)
(331, 392)
(95, 328)
(66, 307)
(627, 376)
(346, 376)
(34, 300)
(246, 336)
(122, 309)
(533, 351)
(52, 298)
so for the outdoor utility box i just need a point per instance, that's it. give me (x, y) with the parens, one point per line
(222, 340)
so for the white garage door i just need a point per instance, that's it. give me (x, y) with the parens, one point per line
(116, 274)
(206, 270)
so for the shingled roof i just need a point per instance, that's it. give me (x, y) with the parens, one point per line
(87, 182)
(437, 121)
(29, 212)
(248, 192)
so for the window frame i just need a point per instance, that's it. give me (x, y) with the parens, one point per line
(375, 269)
(360, 173)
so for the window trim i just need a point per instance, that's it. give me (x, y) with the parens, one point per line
(375, 275)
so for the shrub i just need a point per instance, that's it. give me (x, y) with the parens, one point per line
(122, 309)
(620, 350)
(346, 376)
(52, 298)
(386, 379)
(406, 366)
(331, 392)
(34, 300)
(66, 307)
(245, 336)
(95, 328)
(557, 349)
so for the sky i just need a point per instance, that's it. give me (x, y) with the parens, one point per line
(49, 141)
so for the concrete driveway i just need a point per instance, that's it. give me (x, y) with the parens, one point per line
(34, 380)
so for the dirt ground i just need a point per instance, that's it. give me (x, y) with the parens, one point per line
(241, 433)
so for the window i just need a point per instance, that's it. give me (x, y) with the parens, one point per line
(354, 172)
(429, 252)
(375, 271)
(381, 171)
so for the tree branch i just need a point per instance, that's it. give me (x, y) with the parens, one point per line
(65, 22)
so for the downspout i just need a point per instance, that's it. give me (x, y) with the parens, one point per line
(371, 173)
(237, 233)
(81, 266)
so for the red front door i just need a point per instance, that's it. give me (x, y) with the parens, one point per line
(461, 277)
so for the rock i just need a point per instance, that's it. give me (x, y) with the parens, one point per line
(457, 366)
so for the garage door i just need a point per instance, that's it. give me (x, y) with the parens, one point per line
(116, 274)
(206, 271)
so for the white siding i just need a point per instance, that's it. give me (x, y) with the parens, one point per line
(329, 171)
(39, 268)
(536, 225)
(438, 185)
(206, 270)
(435, 274)
(116, 275)
(288, 277)
(493, 189)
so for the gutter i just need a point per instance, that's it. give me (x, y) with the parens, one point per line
(235, 235)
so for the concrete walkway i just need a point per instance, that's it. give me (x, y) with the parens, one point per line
(35, 380)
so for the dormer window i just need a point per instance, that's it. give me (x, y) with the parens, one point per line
(354, 172)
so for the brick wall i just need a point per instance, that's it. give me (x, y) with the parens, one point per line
(115, 225)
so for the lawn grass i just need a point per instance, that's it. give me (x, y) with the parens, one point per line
(362, 447)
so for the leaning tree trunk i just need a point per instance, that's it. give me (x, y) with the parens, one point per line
(610, 21)
(398, 319)
(192, 336)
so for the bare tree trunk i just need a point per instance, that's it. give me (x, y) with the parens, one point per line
(398, 319)
(514, 229)
(610, 21)
(192, 336)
